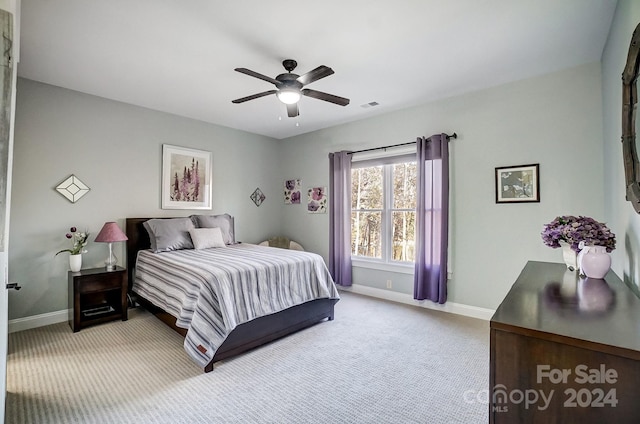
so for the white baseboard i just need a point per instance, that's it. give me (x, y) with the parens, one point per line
(35, 321)
(454, 308)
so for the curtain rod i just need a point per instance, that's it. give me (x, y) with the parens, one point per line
(454, 135)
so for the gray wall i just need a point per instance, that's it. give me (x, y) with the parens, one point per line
(116, 149)
(554, 120)
(625, 222)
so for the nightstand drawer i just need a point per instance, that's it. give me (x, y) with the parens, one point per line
(100, 283)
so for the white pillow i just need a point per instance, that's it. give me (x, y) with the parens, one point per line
(204, 238)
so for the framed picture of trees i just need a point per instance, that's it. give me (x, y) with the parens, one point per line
(186, 178)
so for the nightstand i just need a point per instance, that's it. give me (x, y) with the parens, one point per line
(96, 296)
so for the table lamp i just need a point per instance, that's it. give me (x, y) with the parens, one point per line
(110, 233)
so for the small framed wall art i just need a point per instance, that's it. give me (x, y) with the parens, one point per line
(518, 184)
(292, 192)
(317, 200)
(186, 178)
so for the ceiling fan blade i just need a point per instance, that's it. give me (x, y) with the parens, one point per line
(292, 110)
(326, 97)
(253, 96)
(257, 75)
(311, 76)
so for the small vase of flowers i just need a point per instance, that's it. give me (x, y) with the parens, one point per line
(80, 241)
(573, 233)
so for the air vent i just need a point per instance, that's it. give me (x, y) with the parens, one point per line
(370, 104)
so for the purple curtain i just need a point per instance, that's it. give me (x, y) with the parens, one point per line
(432, 219)
(340, 217)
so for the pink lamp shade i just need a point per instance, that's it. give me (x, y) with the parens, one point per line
(110, 233)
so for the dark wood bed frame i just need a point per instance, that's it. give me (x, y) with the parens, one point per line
(245, 336)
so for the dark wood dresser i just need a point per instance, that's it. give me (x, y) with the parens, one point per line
(565, 350)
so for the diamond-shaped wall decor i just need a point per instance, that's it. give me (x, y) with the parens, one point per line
(257, 196)
(72, 188)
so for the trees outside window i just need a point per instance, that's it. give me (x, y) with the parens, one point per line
(383, 211)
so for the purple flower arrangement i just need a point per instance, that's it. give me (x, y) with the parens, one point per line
(574, 229)
(79, 241)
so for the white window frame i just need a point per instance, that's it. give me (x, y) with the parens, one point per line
(385, 263)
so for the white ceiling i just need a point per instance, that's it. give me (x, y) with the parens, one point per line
(179, 56)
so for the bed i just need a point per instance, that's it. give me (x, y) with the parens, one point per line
(203, 313)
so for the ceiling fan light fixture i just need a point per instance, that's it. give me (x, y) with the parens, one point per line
(289, 87)
(288, 96)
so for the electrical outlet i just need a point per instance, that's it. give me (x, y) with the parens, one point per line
(389, 284)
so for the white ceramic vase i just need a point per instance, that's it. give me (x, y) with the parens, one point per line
(75, 262)
(595, 261)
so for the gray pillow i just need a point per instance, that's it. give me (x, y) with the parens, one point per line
(169, 234)
(224, 222)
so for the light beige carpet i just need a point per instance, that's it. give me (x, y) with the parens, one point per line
(377, 362)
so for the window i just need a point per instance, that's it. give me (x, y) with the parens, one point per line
(383, 209)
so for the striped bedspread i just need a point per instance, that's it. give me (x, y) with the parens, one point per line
(211, 291)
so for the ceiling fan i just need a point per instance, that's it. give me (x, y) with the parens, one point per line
(289, 86)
